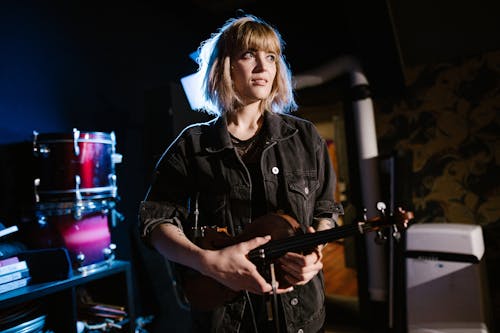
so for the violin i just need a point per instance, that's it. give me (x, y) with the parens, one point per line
(204, 293)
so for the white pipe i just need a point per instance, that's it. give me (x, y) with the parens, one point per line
(330, 71)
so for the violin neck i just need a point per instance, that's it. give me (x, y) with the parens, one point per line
(302, 243)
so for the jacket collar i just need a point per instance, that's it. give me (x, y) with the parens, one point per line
(276, 128)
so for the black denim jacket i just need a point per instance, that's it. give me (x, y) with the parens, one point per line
(298, 180)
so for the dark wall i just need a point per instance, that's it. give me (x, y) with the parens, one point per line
(437, 31)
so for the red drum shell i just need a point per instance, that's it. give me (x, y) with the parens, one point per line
(81, 230)
(63, 157)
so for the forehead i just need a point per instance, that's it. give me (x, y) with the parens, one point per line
(257, 36)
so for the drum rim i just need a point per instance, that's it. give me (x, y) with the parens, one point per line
(82, 190)
(70, 134)
(95, 136)
(84, 207)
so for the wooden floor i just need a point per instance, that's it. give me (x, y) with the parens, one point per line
(339, 279)
(341, 287)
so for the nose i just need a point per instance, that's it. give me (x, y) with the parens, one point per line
(260, 63)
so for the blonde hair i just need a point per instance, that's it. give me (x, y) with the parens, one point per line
(214, 61)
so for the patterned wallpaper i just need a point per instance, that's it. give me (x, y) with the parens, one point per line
(449, 121)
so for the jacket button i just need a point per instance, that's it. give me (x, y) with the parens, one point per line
(275, 170)
(294, 301)
(306, 190)
(300, 330)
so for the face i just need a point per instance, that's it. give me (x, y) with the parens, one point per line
(253, 73)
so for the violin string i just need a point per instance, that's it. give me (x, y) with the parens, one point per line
(280, 246)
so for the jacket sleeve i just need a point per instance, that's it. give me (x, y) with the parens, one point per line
(325, 206)
(168, 195)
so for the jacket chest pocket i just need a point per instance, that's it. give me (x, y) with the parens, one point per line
(301, 193)
(303, 187)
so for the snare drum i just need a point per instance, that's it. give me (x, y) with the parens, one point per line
(83, 229)
(75, 166)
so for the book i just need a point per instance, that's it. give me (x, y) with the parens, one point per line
(14, 267)
(14, 276)
(5, 287)
(8, 261)
(8, 230)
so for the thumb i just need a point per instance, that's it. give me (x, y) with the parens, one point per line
(311, 230)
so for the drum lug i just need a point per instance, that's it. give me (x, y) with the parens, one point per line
(36, 183)
(116, 158)
(42, 221)
(80, 258)
(77, 214)
(76, 136)
(35, 146)
(78, 194)
(39, 150)
(109, 252)
(35, 138)
(112, 182)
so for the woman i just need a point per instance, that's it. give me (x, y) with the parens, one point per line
(251, 160)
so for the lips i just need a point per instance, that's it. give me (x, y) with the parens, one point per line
(259, 81)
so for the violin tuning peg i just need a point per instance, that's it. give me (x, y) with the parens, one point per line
(395, 233)
(381, 207)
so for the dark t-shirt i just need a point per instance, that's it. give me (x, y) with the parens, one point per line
(250, 152)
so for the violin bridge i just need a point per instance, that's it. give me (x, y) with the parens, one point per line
(360, 227)
(274, 283)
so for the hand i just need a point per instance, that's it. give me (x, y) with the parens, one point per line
(300, 269)
(231, 267)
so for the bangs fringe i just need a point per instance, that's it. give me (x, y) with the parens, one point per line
(253, 35)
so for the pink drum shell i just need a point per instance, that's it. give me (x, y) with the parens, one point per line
(88, 235)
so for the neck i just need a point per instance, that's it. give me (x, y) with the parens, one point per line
(245, 122)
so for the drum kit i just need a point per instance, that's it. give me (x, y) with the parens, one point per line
(75, 194)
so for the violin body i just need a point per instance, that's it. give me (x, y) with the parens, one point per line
(205, 293)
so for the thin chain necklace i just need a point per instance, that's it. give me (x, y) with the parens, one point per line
(244, 148)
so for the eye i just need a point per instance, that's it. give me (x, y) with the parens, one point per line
(271, 57)
(247, 55)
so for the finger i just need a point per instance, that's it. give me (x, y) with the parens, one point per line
(262, 288)
(297, 259)
(300, 270)
(298, 280)
(284, 290)
(254, 283)
(292, 257)
(255, 242)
